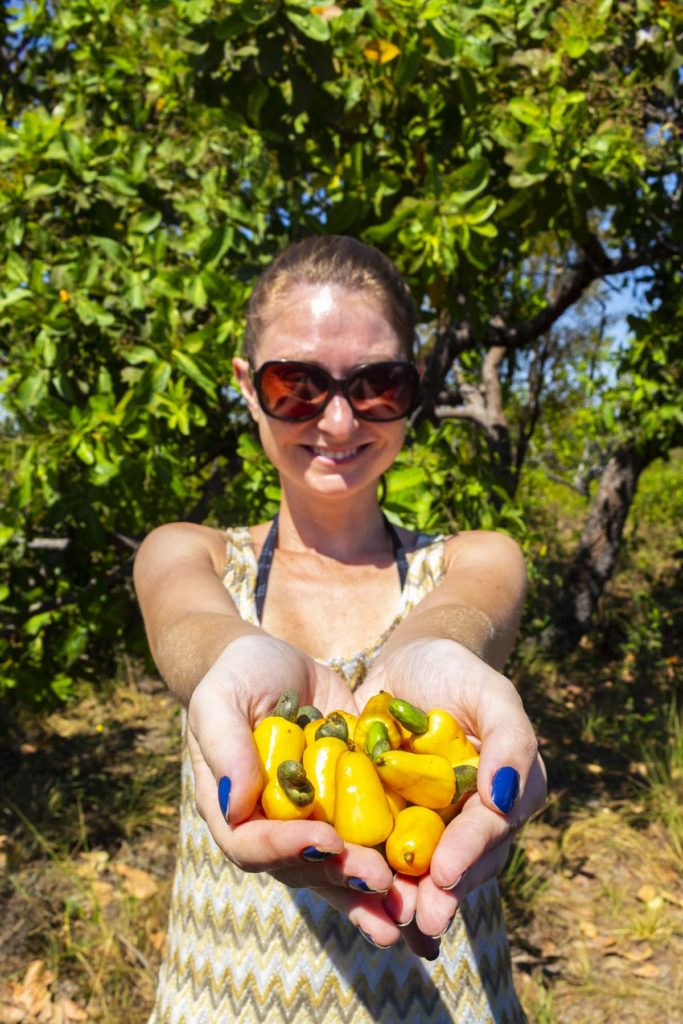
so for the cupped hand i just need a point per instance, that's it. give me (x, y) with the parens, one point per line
(511, 784)
(241, 689)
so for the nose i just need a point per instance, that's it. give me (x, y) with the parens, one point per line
(338, 418)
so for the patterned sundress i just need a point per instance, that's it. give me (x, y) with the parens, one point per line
(245, 948)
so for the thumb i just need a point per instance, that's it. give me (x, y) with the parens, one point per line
(220, 738)
(509, 749)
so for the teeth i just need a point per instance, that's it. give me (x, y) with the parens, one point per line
(335, 456)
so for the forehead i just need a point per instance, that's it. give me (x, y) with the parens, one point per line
(329, 324)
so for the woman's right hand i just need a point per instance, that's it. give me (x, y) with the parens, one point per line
(241, 689)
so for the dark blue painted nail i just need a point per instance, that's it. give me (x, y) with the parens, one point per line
(505, 788)
(313, 853)
(361, 885)
(224, 787)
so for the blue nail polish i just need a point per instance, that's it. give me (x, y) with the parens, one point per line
(360, 885)
(313, 853)
(505, 788)
(224, 787)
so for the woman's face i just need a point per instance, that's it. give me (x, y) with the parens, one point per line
(336, 454)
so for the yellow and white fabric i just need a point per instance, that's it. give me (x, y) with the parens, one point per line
(244, 948)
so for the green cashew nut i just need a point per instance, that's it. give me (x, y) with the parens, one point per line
(288, 705)
(293, 779)
(334, 725)
(377, 740)
(409, 716)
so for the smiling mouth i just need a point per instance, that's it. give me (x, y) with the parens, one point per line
(338, 457)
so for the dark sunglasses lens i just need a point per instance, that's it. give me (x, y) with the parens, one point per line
(292, 391)
(385, 391)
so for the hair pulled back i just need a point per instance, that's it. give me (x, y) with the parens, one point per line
(337, 260)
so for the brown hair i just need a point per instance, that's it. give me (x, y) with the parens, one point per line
(333, 259)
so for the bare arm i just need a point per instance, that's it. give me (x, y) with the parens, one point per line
(189, 616)
(478, 603)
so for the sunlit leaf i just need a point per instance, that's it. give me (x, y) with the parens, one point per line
(381, 50)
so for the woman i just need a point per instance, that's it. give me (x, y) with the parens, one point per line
(314, 601)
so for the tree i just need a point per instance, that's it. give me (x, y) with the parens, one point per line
(154, 157)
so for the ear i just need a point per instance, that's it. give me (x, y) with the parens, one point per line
(240, 368)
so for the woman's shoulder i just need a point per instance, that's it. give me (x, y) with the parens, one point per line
(180, 541)
(484, 548)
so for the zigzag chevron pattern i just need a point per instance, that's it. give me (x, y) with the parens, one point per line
(243, 948)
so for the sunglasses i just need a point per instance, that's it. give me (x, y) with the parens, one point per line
(293, 391)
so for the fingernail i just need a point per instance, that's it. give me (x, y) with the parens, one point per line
(368, 938)
(449, 888)
(441, 934)
(504, 789)
(224, 787)
(404, 924)
(313, 853)
(361, 885)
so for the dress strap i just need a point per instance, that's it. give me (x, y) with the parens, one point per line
(266, 558)
(399, 552)
(263, 569)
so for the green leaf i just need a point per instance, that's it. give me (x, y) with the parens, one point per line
(216, 245)
(469, 179)
(312, 25)
(189, 367)
(137, 354)
(526, 111)
(575, 47)
(145, 222)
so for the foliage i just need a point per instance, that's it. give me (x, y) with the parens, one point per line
(154, 157)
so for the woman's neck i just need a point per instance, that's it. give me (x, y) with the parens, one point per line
(344, 530)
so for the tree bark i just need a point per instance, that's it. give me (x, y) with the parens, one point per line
(596, 557)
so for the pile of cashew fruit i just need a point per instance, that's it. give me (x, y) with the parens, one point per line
(391, 778)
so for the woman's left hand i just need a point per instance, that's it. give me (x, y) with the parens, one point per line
(511, 783)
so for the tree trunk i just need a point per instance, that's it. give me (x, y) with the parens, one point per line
(598, 549)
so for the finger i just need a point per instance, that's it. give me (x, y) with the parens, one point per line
(401, 900)
(366, 913)
(435, 909)
(220, 737)
(421, 944)
(509, 749)
(356, 868)
(259, 844)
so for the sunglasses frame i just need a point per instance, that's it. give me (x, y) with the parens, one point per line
(336, 386)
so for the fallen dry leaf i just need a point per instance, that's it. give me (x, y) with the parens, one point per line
(158, 940)
(636, 956)
(594, 769)
(91, 863)
(646, 893)
(30, 999)
(104, 891)
(647, 971)
(588, 929)
(167, 810)
(137, 882)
